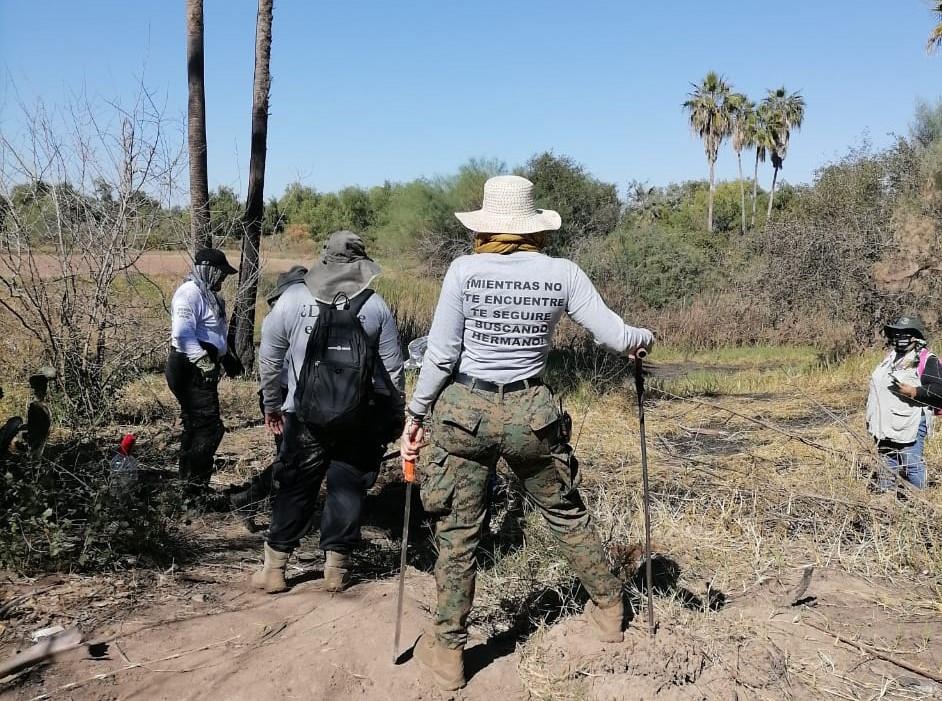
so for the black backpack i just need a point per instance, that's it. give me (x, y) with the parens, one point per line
(336, 378)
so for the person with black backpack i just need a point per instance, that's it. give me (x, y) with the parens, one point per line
(345, 402)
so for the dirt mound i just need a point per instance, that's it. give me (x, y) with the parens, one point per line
(206, 636)
(305, 644)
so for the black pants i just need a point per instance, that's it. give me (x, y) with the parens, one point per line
(264, 483)
(351, 466)
(261, 408)
(199, 411)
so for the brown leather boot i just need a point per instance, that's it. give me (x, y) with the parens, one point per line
(607, 621)
(271, 577)
(336, 577)
(445, 665)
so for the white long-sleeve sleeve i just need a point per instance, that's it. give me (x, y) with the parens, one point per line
(192, 322)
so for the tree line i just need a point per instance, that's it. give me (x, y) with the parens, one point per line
(717, 113)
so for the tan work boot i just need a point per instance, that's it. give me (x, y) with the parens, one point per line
(271, 577)
(445, 665)
(336, 578)
(608, 621)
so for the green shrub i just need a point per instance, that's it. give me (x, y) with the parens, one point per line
(64, 513)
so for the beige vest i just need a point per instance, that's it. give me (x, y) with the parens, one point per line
(889, 417)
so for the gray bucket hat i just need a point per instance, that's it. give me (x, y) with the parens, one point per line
(344, 268)
(906, 323)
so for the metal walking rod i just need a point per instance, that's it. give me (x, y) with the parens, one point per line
(648, 575)
(408, 473)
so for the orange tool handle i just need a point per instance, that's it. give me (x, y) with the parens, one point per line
(408, 470)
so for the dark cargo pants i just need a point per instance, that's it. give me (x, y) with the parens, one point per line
(350, 465)
(471, 430)
(199, 410)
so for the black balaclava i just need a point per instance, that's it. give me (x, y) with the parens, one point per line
(903, 341)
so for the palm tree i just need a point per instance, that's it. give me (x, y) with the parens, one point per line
(743, 122)
(935, 39)
(196, 127)
(708, 109)
(243, 316)
(785, 112)
(764, 141)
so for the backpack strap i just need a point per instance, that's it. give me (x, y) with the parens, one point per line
(356, 304)
(924, 355)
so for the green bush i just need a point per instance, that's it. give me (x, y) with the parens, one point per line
(650, 265)
(64, 513)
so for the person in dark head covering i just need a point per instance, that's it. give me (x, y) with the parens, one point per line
(198, 344)
(348, 459)
(905, 394)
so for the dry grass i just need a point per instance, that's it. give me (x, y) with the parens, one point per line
(759, 466)
(767, 474)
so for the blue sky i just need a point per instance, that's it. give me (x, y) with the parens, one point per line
(365, 91)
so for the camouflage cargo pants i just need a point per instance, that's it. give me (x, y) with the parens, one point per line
(471, 429)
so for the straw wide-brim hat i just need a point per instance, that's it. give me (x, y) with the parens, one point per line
(509, 208)
(344, 268)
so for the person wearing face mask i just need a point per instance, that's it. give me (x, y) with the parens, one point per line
(198, 347)
(905, 392)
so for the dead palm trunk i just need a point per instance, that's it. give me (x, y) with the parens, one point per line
(742, 193)
(755, 191)
(196, 127)
(244, 314)
(768, 214)
(712, 190)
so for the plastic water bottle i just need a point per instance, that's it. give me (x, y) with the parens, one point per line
(124, 466)
(417, 350)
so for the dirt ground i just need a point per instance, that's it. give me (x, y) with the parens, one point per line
(793, 628)
(196, 632)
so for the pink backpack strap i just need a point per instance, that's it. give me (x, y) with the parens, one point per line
(923, 359)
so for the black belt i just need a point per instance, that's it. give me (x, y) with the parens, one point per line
(475, 383)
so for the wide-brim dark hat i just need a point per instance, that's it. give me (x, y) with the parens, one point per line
(215, 258)
(343, 268)
(293, 276)
(912, 324)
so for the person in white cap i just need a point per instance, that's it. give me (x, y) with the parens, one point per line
(482, 372)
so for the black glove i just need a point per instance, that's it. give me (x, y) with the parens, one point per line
(232, 365)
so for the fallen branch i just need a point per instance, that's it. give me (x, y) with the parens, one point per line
(870, 650)
(759, 422)
(44, 649)
(135, 665)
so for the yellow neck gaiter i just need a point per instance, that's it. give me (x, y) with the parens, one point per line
(509, 243)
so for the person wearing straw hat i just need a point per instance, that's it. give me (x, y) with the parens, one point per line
(349, 460)
(482, 373)
(198, 347)
(905, 394)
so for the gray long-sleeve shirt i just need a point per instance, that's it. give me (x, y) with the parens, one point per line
(496, 316)
(285, 333)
